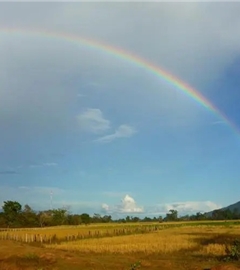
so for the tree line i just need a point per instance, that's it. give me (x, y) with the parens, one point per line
(16, 216)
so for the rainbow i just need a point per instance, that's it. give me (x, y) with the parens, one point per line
(132, 59)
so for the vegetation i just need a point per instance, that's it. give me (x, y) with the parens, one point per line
(233, 252)
(14, 216)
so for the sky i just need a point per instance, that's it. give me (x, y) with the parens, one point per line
(105, 135)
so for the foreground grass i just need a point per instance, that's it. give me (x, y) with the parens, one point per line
(17, 256)
(185, 247)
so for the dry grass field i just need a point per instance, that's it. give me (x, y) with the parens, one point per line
(182, 246)
(187, 239)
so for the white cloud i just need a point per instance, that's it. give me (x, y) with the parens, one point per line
(128, 205)
(92, 120)
(123, 131)
(188, 207)
(105, 207)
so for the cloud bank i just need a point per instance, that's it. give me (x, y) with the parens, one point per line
(123, 131)
(183, 208)
(129, 206)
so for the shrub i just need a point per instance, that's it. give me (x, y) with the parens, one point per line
(233, 252)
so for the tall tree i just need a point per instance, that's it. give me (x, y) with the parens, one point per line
(28, 217)
(11, 211)
(59, 216)
(86, 219)
(45, 218)
(27, 209)
(172, 215)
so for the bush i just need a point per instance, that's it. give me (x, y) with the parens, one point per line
(233, 252)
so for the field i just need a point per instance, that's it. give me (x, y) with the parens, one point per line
(164, 246)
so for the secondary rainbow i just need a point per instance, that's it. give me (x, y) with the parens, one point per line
(131, 58)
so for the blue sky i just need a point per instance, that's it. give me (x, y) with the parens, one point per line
(105, 136)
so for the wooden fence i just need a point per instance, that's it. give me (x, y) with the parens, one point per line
(20, 236)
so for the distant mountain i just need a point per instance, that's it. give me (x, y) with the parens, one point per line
(231, 207)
